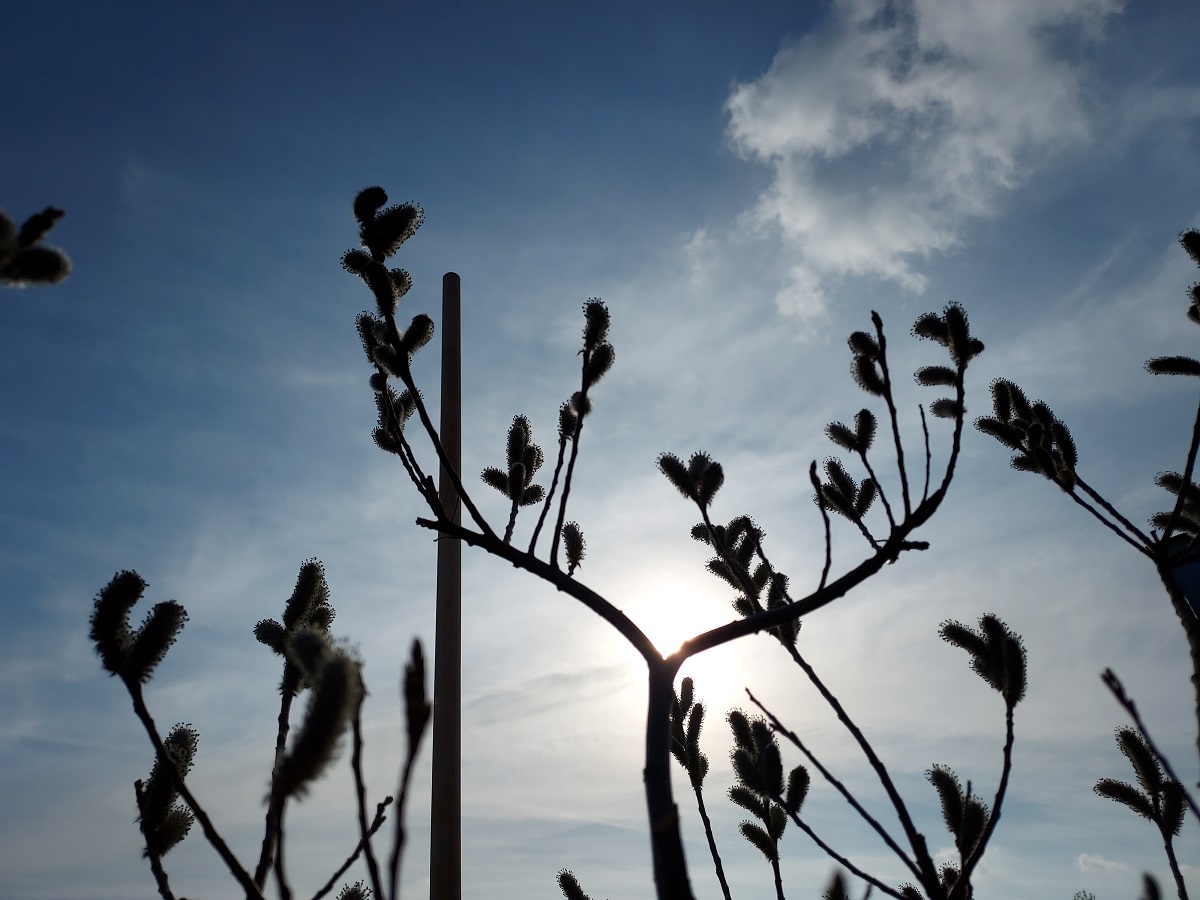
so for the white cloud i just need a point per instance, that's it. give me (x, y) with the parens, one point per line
(1094, 862)
(899, 122)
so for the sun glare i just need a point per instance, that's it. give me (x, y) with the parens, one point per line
(671, 615)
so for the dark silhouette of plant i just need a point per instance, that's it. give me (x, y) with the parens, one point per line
(24, 259)
(1042, 444)
(765, 602)
(1159, 799)
(758, 766)
(885, 506)
(312, 662)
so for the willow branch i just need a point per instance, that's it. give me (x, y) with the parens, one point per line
(891, 405)
(1107, 523)
(972, 861)
(841, 789)
(378, 821)
(273, 806)
(210, 832)
(816, 482)
(427, 423)
(156, 866)
(841, 860)
(1113, 511)
(557, 578)
(1187, 477)
(360, 794)
(1113, 683)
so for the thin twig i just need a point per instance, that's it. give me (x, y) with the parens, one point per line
(360, 791)
(430, 431)
(210, 832)
(841, 860)
(712, 841)
(816, 482)
(273, 806)
(928, 455)
(582, 412)
(972, 861)
(891, 405)
(1109, 525)
(1187, 477)
(378, 821)
(285, 891)
(156, 867)
(838, 786)
(400, 833)
(887, 507)
(1113, 683)
(1113, 511)
(537, 530)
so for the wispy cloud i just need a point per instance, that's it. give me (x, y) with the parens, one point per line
(1094, 862)
(898, 123)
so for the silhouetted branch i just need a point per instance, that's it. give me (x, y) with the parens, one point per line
(285, 890)
(1189, 468)
(928, 456)
(1141, 537)
(275, 801)
(972, 861)
(816, 483)
(1117, 689)
(360, 796)
(712, 842)
(841, 860)
(156, 867)
(363, 843)
(881, 773)
(210, 832)
(891, 405)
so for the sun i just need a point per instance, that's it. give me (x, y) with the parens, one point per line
(671, 613)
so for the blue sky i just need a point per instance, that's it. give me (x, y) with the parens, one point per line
(742, 183)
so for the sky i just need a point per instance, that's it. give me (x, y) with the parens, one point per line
(742, 184)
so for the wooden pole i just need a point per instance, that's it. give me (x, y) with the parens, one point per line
(445, 839)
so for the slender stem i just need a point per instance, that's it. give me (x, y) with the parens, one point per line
(1109, 525)
(562, 450)
(816, 482)
(1113, 683)
(712, 841)
(285, 891)
(841, 860)
(268, 845)
(430, 431)
(1112, 511)
(840, 787)
(969, 864)
(1169, 847)
(556, 538)
(156, 866)
(887, 507)
(360, 792)
(376, 823)
(210, 832)
(928, 456)
(401, 805)
(1187, 478)
(891, 405)
(512, 522)
(775, 870)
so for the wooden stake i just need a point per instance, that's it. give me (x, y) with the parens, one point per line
(445, 839)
